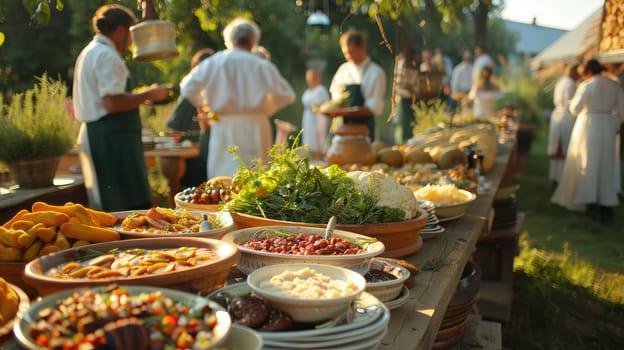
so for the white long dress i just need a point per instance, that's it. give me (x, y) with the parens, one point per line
(561, 124)
(245, 90)
(315, 126)
(591, 172)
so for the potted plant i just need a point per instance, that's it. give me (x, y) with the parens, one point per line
(36, 131)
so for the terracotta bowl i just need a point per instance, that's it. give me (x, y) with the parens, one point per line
(399, 238)
(201, 278)
(22, 307)
(251, 259)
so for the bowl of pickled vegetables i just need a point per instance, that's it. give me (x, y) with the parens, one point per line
(271, 245)
(123, 317)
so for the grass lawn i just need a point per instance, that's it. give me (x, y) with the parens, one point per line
(569, 275)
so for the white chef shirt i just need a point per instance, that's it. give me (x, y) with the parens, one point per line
(99, 71)
(369, 75)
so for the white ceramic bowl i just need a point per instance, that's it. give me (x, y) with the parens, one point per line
(456, 209)
(251, 259)
(243, 338)
(387, 290)
(306, 309)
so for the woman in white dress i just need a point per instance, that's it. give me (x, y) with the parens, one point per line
(485, 95)
(591, 173)
(561, 122)
(315, 125)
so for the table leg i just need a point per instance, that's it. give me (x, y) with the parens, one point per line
(173, 168)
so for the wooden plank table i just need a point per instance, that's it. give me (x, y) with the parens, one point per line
(415, 324)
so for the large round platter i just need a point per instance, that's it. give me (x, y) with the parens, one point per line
(22, 307)
(395, 236)
(223, 217)
(251, 259)
(201, 278)
(368, 311)
(220, 331)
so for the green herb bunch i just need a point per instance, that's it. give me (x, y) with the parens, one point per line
(289, 189)
(35, 123)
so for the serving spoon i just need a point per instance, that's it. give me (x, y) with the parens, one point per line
(331, 225)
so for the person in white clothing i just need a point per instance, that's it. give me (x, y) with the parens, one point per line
(591, 172)
(485, 94)
(315, 125)
(461, 80)
(243, 90)
(561, 122)
(364, 79)
(482, 60)
(109, 142)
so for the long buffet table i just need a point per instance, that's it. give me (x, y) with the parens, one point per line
(415, 324)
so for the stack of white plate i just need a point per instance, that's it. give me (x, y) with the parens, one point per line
(365, 329)
(432, 228)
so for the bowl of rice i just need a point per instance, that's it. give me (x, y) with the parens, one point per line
(450, 202)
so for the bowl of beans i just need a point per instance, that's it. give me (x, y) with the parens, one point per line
(183, 263)
(272, 245)
(307, 292)
(123, 317)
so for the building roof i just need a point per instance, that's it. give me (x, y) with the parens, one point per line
(533, 38)
(573, 45)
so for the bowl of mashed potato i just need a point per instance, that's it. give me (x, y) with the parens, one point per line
(309, 293)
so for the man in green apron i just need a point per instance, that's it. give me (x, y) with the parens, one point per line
(111, 151)
(365, 81)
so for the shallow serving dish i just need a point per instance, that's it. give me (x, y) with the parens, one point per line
(399, 238)
(220, 331)
(455, 210)
(201, 278)
(387, 290)
(304, 309)
(251, 260)
(223, 217)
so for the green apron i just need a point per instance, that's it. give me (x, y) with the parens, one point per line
(356, 98)
(117, 154)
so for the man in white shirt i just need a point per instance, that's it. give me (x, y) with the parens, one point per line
(461, 80)
(365, 81)
(244, 90)
(482, 59)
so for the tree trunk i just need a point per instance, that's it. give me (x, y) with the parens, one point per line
(480, 15)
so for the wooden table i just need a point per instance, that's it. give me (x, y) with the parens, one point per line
(415, 324)
(58, 195)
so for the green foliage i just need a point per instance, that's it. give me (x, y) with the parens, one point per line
(562, 302)
(289, 189)
(524, 91)
(430, 114)
(36, 123)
